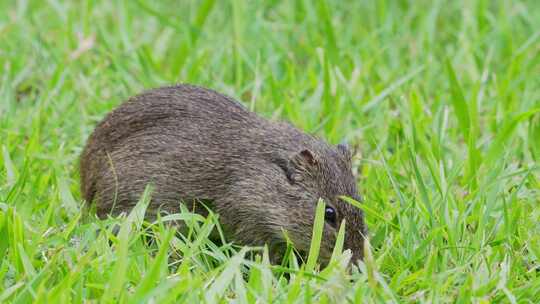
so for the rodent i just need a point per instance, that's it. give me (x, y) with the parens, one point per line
(193, 144)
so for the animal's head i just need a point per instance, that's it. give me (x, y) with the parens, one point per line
(322, 173)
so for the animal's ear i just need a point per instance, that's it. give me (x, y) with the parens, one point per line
(302, 161)
(345, 150)
(305, 159)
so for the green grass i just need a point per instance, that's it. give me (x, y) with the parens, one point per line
(442, 99)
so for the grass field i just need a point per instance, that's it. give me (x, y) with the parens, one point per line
(441, 97)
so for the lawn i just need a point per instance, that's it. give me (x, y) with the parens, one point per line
(442, 99)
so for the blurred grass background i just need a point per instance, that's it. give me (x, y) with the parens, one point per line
(441, 97)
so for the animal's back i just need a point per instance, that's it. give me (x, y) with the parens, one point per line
(181, 139)
(175, 107)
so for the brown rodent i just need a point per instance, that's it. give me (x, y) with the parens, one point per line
(193, 144)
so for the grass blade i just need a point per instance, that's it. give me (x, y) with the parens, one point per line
(316, 237)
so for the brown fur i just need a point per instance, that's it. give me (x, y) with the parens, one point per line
(192, 143)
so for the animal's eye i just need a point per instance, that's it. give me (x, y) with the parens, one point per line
(330, 215)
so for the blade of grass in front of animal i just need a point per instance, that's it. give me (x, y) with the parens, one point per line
(267, 278)
(307, 293)
(154, 275)
(217, 289)
(240, 291)
(289, 250)
(166, 291)
(188, 280)
(375, 280)
(182, 216)
(296, 286)
(182, 286)
(118, 277)
(136, 216)
(254, 280)
(56, 294)
(201, 237)
(368, 210)
(340, 240)
(316, 237)
(134, 220)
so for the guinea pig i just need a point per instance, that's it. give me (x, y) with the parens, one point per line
(262, 178)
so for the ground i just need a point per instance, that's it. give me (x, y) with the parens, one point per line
(441, 99)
